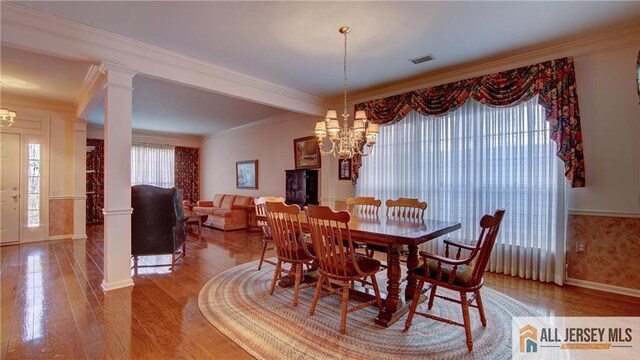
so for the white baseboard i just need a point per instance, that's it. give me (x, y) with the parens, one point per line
(603, 287)
(61, 237)
(115, 285)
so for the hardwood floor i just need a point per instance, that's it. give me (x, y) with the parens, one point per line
(52, 305)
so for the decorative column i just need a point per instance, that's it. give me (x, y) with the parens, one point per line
(79, 179)
(118, 91)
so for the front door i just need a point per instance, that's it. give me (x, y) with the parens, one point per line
(9, 188)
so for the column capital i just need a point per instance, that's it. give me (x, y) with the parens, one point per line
(79, 124)
(117, 75)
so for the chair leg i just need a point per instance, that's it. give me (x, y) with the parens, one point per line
(276, 272)
(466, 320)
(432, 296)
(414, 305)
(345, 303)
(376, 291)
(316, 295)
(264, 250)
(296, 283)
(483, 319)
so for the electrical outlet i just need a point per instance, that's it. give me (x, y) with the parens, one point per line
(580, 247)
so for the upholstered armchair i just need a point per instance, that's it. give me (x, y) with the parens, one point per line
(157, 222)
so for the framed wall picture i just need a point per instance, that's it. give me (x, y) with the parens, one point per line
(247, 174)
(306, 153)
(344, 169)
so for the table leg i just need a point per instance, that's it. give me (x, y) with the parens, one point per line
(412, 263)
(385, 317)
(199, 228)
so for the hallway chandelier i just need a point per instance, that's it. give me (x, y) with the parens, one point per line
(346, 141)
(7, 117)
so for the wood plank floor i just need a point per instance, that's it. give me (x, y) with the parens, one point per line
(52, 305)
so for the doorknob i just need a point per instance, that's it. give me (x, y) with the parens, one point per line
(15, 196)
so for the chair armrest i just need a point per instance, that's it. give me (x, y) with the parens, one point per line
(425, 255)
(453, 243)
(203, 203)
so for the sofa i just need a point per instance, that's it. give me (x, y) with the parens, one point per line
(226, 211)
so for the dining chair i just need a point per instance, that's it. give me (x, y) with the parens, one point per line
(338, 261)
(286, 231)
(363, 206)
(460, 275)
(405, 209)
(402, 209)
(267, 238)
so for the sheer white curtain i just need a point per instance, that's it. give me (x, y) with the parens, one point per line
(471, 162)
(152, 165)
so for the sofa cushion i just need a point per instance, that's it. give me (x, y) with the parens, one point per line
(228, 201)
(202, 209)
(220, 212)
(217, 200)
(242, 200)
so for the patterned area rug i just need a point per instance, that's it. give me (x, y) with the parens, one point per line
(237, 302)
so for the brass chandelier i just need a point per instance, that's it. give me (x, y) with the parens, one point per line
(346, 141)
(7, 117)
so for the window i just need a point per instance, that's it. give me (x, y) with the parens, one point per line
(33, 185)
(471, 162)
(152, 165)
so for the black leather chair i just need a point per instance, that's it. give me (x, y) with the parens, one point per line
(157, 222)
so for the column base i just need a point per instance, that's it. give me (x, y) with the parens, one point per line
(115, 285)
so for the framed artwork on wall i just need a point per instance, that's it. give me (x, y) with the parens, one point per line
(638, 75)
(306, 153)
(344, 169)
(247, 174)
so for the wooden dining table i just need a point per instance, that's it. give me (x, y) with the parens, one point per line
(393, 234)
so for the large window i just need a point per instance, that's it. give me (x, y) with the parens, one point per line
(152, 165)
(471, 162)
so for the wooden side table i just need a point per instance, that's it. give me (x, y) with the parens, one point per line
(193, 217)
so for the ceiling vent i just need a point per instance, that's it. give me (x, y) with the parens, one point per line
(421, 59)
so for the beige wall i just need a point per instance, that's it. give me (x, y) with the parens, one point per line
(270, 143)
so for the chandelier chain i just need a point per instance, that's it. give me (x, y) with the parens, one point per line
(345, 74)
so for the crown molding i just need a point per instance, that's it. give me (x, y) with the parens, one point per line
(575, 47)
(87, 98)
(256, 124)
(40, 32)
(150, 137)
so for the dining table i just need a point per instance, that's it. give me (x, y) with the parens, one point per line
(394, 234)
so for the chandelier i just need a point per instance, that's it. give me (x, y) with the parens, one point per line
(346, 141)
(7, 117)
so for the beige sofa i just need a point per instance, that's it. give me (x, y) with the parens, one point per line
(226, 212)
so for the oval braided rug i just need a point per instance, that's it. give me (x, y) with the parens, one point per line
(237, 302)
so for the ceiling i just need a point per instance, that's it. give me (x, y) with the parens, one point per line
(296, 45)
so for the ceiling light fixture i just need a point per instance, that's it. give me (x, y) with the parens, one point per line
(7, 117)
(346, 141)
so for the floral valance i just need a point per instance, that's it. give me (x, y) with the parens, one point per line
(553, 81)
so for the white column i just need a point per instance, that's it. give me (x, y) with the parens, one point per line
(79, 179)
(117, 210)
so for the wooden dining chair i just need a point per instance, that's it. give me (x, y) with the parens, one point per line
(286, 231)
(267, 238)
(337, 259)
(461, 275)
(402, 209)
(363, 206)
(405, 209)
